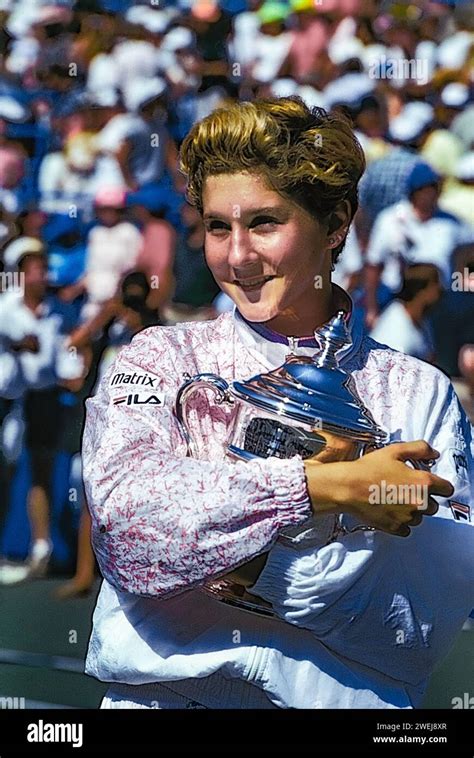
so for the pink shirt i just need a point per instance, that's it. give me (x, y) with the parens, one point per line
(307, 45)
(157, 250)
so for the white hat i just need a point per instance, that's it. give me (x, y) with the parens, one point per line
(348, 89)
(410, 123)
(311, 96)
(12, 110)
(455, 95)
(150, 19)
(464, 169)
(26, 14)
(143, 91)
(20, 247)
(453, 51)
(350, 48)
(420, 111)
(105, 98)
(372, 55)
(155, 21)
(178, 38)
(284, 87)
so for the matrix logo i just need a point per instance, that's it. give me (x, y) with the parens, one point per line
(144, 380)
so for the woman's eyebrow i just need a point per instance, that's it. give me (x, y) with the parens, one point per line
(267, 210)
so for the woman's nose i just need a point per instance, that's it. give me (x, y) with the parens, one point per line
(240, 249)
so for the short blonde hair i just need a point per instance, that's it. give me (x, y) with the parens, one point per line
(306, 155)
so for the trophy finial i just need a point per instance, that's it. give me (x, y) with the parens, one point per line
(333, 337)
(293, 345)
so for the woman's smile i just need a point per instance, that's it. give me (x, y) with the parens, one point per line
(252, 286)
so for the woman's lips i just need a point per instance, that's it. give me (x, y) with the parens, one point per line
(255, 285)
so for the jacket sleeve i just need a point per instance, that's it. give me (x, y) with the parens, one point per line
(162, 522)
(406, 597)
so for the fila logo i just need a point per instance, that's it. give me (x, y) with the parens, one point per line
(138, 399)
(144, 380)
(460, 461)
(460, 511)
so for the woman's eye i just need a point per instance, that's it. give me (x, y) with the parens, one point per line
(217, 227)
(264, 221)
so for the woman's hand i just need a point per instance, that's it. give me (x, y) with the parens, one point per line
(360, 487)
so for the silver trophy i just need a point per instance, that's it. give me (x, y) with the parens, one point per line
(310, 407)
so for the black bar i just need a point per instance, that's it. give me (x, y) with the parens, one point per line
(140, 733)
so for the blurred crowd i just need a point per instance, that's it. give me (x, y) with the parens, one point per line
(97, 241)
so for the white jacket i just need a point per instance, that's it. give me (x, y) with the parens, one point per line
(364, 620)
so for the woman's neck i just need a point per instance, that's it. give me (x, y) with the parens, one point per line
(292, 323)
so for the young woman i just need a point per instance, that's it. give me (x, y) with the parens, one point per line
(360, 621)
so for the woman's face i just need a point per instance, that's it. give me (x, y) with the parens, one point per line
(267, 253)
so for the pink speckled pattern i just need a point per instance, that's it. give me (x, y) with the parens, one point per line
(163, 522)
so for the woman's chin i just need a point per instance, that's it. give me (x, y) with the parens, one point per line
(257, 311)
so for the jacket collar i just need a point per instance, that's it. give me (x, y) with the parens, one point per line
(274, 346)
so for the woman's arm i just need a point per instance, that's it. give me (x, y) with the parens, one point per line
(162, 522)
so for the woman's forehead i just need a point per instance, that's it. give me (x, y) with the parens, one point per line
(221, 191)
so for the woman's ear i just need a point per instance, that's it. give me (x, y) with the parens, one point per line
(338, 223)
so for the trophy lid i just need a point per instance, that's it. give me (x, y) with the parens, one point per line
(315, 390)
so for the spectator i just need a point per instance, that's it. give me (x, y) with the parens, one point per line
(442, 148)
(453, 316)
(147, 150)
(403, 325)
(28, 224)
(243, 45)
(113, 246)
(457, 197)
(137, 58)
(157, 251)
(384, 182)
(69, 180)
(272, 44)
(33, 340)
(414, 230)
(12, 172)
(309, 40)
(195, 285)
(113, 121)
(212, 26)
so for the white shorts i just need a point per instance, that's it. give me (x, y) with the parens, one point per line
(214, 691)
(158, 696)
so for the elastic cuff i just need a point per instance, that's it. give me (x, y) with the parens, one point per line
(290, 491)
(275, 576)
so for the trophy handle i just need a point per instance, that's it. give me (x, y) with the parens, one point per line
(210, 381)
